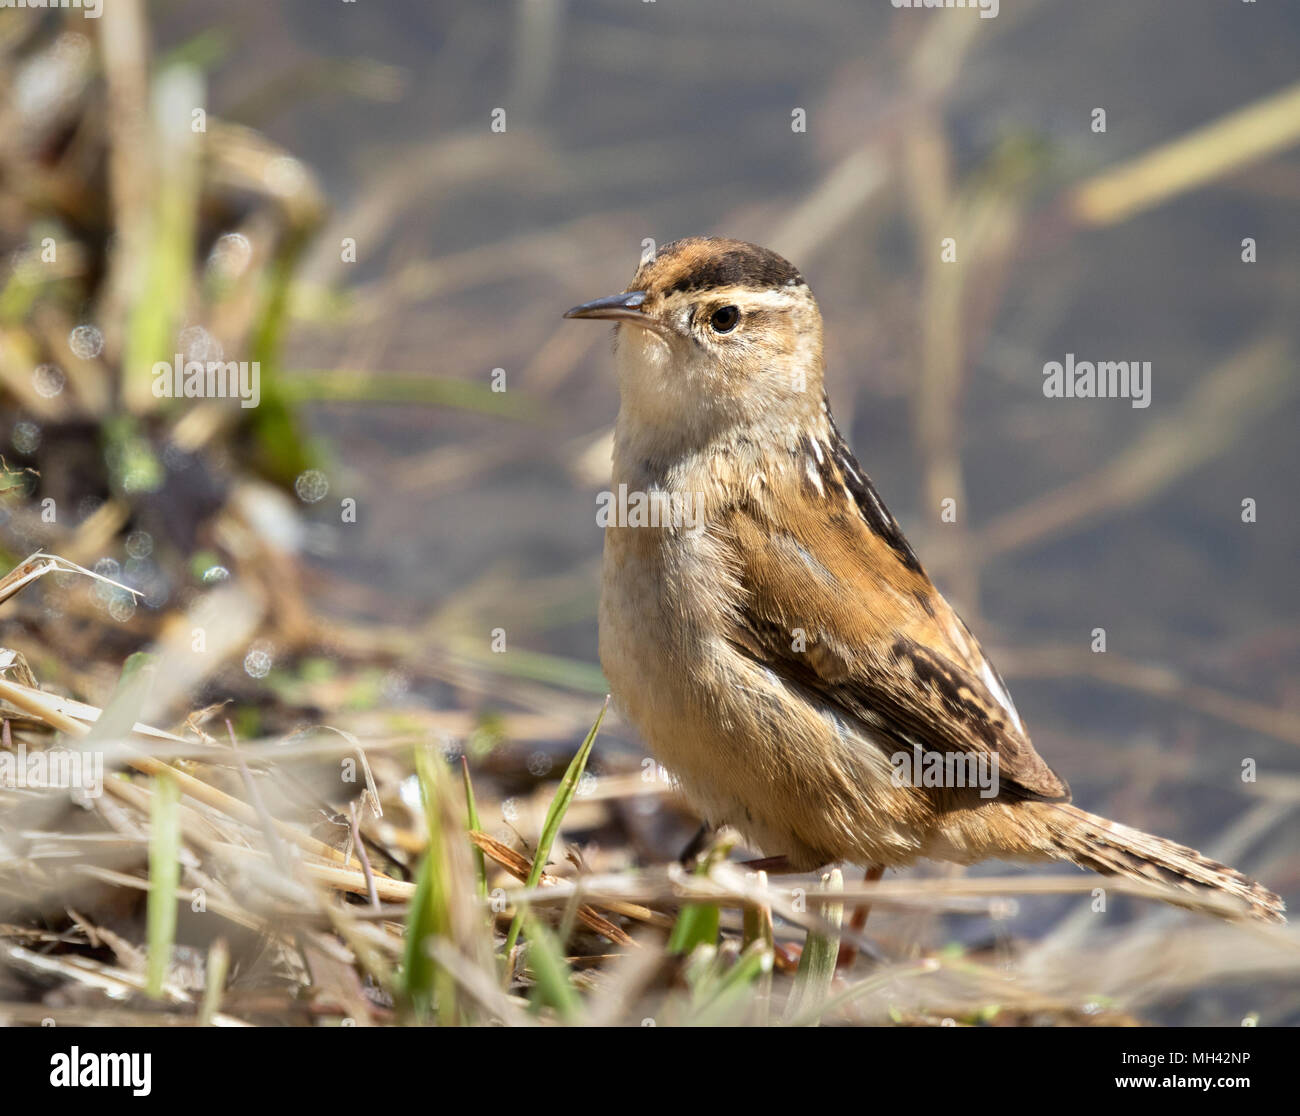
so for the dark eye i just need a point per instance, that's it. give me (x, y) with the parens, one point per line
(724, 319)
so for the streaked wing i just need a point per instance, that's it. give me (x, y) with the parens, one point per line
(891, 652)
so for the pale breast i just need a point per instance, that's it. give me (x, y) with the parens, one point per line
(747, 749)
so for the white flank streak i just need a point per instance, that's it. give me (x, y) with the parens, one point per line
(812, 476)
(999, 692)
(880, 508)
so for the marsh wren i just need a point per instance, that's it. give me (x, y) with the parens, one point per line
(782, 651)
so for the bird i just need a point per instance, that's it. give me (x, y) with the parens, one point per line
(772, 635)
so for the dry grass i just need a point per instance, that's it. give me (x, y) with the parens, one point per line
(282, 834)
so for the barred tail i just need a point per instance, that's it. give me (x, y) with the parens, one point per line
(1105, 846)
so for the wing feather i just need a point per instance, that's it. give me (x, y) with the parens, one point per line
(888, 650)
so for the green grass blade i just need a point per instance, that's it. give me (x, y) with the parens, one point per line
(471, 816)
(417, 980)
(425, 983)
(554, 818)
(214, 981)
(126, 705)
(699, 923)
(729, 997)
(553, 984)
(164, 878)
(812, 982)
(758, 928)
(164, 262)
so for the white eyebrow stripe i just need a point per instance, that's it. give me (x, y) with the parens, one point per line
(750, 298)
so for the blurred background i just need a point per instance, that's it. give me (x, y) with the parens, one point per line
(389, 205)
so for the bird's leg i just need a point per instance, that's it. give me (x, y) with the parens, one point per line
(695, 845)
(849, 951)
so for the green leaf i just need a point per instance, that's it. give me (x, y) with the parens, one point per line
(554, 817)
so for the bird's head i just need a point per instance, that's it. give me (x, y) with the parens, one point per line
(715, 335)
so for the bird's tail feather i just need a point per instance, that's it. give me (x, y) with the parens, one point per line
(1105, 846)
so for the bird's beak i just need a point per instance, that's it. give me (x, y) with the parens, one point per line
(624, 307)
